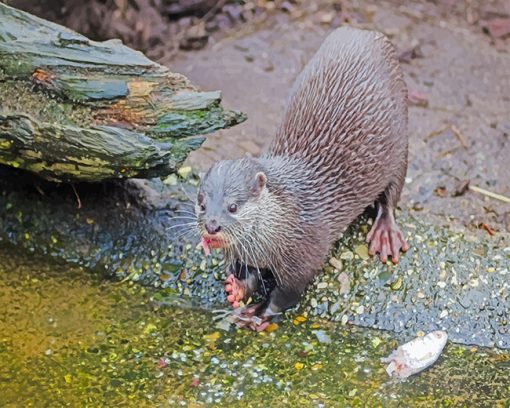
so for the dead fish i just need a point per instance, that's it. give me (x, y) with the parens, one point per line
(415, 356)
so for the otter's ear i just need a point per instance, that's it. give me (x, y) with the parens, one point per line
(259, 183)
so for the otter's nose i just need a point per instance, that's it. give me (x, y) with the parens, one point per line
(212, 227)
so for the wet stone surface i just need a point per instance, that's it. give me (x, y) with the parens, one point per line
(70, 339)
(450, 278)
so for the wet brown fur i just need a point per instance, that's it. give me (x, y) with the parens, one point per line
(341, 147)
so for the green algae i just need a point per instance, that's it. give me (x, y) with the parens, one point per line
(182, 123)
(71, 339)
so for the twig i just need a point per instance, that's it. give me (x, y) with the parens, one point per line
(437, 132)
(241, 32)
(207, 16)
(455, 130)
(77, 196)
(40, 190)
(459, 136)
(447, 152)
(487, 228)
(204, 19)
(487, 193)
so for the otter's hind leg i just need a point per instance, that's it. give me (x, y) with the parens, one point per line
(385, 237)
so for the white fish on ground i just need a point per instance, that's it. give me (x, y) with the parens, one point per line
(415, 356)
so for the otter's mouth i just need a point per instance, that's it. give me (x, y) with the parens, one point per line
(212, 241)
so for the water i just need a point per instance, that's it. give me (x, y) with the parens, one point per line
(70, 339)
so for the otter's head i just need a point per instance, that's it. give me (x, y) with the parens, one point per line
(227, 198)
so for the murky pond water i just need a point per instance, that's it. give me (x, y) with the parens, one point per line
(68, 338)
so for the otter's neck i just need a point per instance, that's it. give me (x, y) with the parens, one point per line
(292, 182)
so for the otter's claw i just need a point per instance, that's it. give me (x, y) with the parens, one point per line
(235, 290)
(386, 239)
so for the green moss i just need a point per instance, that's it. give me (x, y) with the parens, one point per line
(15, 67)
(5, 144)
(183, 123)
(17, 97)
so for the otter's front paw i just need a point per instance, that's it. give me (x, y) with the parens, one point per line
(235, 289)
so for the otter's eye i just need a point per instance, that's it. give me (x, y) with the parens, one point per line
(232, 208)
(200, 202)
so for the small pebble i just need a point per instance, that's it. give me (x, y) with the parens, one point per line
(322, 336)
(345, 284)
(347, 255)
(396, 284)
(362, 251)
(335, 263)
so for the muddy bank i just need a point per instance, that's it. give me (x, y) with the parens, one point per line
(141, 231)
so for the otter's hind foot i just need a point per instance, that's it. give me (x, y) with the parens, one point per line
(236, 290)
(385, 238)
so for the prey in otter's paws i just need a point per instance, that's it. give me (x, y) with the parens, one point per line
(341, 147)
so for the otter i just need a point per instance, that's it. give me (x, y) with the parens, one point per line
(341, 147)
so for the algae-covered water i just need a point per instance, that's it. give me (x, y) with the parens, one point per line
(68, 338)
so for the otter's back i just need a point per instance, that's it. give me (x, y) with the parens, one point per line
(353, 86)
(347, 120)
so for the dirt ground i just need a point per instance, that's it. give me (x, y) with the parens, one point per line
(457, 75)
